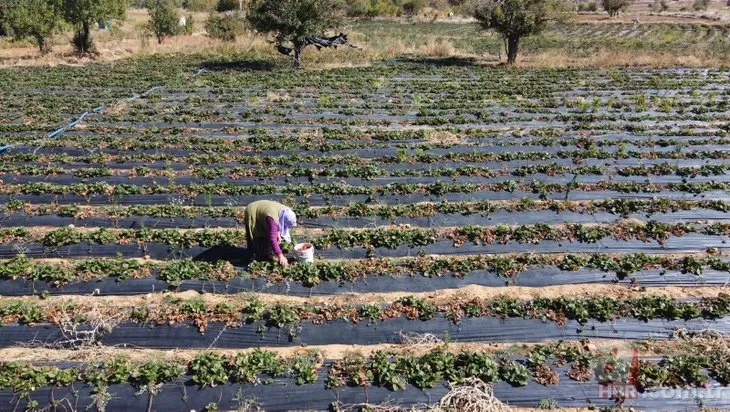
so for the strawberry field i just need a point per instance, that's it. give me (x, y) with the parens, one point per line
(552, 232)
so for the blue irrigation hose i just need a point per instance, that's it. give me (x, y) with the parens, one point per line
(98, 109)
(151, 90)
(6, 147)
(56, 133)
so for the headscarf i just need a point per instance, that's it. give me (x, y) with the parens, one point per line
(287, 220)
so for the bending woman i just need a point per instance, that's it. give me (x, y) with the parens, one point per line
(268, 222)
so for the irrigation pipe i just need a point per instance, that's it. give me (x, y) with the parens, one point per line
(60, 131)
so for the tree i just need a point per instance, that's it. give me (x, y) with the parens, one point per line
(613, 7)
(199, 5)
(3, 23)
(515, 19)
(227, 5)
(224, 27)
(295, 22)
(659, 6)
(83, 14)
(164, 19)
(35, 19)
(701, 5)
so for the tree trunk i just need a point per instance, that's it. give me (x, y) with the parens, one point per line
(87, 36)
(513, 43)
(44, 47)
(297, 56)
(82, 39)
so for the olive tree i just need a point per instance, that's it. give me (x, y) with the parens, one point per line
(295, 22)
(38, 20)
(164, 19)
(83, 14)
(701, 5)
(3, 23)
(613, 7)
(515, 19)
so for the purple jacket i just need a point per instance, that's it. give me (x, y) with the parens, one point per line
(274, 235)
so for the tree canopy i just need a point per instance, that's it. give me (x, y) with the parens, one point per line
(613, 7)
(293, 22)
(3, 23)
(35, 19)
(164, 19)
(515, 19)
(82, 14)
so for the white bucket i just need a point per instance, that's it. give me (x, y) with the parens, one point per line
(304, 252)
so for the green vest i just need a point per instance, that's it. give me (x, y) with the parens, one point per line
(256, 214)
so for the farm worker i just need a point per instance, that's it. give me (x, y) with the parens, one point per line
(266, 223)
(182, 22)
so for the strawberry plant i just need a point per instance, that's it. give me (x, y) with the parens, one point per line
(514, 373)
(208, 369)
(304, 368)
(418, 308)
(371, 313)
(385, 372)
(649, 375)
(62, 237)
(156, 372)
(474, 364)
(246, 367)
(282, 315)
(685, 370)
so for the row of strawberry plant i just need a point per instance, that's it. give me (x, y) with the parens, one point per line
(377, 238)
(437, 189)
(289, 317)
(615, 206)
(510, 266)
(188, 139)
(504, 234)
(372, 171)
(619, 207)
(391, 370)
(401, 157)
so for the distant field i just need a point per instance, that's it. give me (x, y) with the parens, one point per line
(602, 42)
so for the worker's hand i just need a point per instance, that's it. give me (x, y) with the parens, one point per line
(283, 261)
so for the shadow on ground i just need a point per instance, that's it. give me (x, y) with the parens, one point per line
(239, 65)
(442, 61)
(238, 256)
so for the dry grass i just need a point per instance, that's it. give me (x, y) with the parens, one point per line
(418, 339)
(472, 395)
(437, 48)
(343, 57)
(133, 43)
(613, 58)
(112, 50)
(278, 96)
(76, 335)
(443, 137)
(703, 341)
